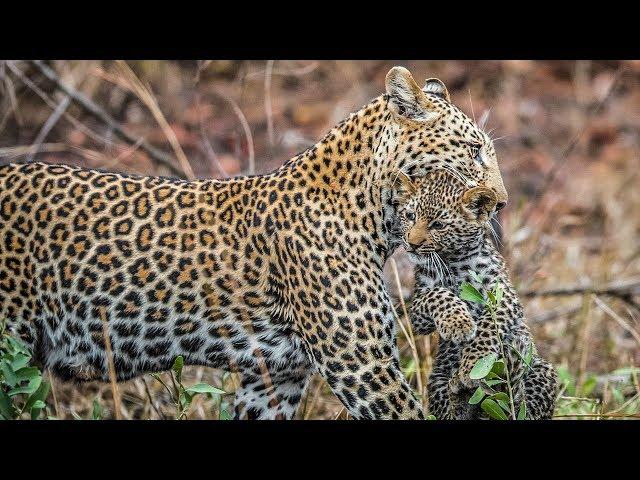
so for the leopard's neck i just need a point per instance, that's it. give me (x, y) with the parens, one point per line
(346, 173)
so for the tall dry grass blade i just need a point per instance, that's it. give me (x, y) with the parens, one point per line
(408, 331)
(267, 101)
(54, 393)
(586, 333)
(624, 324)
(314, 399)
(117, 401)
(251, 168)
(146, 95)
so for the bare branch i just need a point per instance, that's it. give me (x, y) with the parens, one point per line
(97, 112)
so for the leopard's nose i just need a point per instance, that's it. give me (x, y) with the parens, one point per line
(500, 206)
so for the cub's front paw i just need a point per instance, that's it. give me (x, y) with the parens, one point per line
(458, 327)
(461, 381)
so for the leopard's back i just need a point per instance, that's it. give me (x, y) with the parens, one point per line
(169, 264)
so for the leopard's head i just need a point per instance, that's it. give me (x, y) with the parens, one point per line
(434, 134)
(439, 214)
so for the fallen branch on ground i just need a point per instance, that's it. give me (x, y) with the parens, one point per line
(624, 290)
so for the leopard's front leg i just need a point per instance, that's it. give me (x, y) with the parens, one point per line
(270, 394)
(354, 350)
(440, 309)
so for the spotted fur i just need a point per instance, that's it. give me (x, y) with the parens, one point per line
(444, 227)
(274, 276)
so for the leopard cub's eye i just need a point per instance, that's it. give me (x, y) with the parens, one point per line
(409, 215)
(437, 225)
(474, 151)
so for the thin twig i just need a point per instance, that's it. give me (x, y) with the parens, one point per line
(151, 402)
(56, 406)
(48, 125)
(618, 319)
(112, 369)
(97, 112)
(408, 332)
(251, 169)
(51, 104)
(624, 290)
(144, 93)
(213, 156)
(267, 101)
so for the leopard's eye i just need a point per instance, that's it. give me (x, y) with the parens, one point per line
(437, 225)
(409, 215)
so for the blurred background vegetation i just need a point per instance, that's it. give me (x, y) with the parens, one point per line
(567, 142)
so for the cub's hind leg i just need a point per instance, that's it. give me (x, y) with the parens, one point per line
(541, 388)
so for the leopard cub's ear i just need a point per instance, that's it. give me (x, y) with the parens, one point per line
(478, 203)
(406, 100)
(403, 186)
(437, 87)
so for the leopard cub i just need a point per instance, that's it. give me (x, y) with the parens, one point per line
(443, 225)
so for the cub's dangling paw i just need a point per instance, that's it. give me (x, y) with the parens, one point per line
(458, 327)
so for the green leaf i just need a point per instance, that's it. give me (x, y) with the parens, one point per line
(522, 412)
(500, 396)
(428, 417)
(483, 366)
(39, 395)
(503, 400)
(17, 346)
(33, 385)
(28, 373)
(19, 361)
(491, 297)
(177, 367)
(205, 388)
(224, 415)
(496, 381)
(96, 414)
(9, 376)
(498, 367)
(6, 406)
(492, 409)
(588, 386)
(37, 407)
(498, 292)
(477, 396)
(471, 294)
(529, 356)
(617, 394)
(505, 406)
(475, 276)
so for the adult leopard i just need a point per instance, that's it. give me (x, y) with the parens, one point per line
(271, 275)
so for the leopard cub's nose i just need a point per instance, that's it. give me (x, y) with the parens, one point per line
(500, 206)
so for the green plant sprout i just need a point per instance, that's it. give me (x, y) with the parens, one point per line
(22, 389)
(183, 396)
(490, 369)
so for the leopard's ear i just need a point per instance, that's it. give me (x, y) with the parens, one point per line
(403, 186)
(437, 87)
(406, 99)
(478, 203)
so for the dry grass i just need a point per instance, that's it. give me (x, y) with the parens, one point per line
(572, 218)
